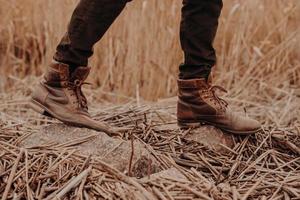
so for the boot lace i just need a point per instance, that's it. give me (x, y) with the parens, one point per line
(215, 99)
(75, 88)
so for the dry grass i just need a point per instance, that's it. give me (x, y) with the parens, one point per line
(259, 63)
(262, 166)
(257, 44)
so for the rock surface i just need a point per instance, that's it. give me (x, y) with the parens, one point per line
(172, 173)
(117, 152)
(209, 136)
(113, 151)
(212, 137)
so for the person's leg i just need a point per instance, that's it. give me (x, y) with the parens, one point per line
(90, 20)
(59, 94)
(197, 32)
(198, 102)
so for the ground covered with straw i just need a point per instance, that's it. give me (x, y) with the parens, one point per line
(258, 62)
(262, 166)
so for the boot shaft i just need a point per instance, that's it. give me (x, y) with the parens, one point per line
(198, 92)
(62, 87)
(59, 74)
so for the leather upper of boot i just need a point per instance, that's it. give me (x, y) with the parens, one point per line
(198, 93)
(64, 88)
(198, 102)
(59, 95)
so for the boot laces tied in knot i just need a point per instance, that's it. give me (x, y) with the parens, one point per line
(220, 101)
(76, 88)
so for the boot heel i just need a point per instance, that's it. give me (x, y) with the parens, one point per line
(186, 125)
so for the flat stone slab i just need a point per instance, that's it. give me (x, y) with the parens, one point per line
(172, 173)
(212, 137)
(113, 151)
(118, 152)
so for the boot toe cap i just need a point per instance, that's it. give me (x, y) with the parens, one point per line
(248, 126)
(242, 125)
(253, 124)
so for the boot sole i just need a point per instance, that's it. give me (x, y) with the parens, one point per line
(201, 123)
(38, 107)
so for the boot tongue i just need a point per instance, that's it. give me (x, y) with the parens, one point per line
(80, 73)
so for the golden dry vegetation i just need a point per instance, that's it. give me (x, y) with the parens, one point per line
(257, 44)
(258, 48)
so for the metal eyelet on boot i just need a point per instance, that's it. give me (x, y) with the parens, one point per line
(77, 82)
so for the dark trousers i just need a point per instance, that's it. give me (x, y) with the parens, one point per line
(92, 18)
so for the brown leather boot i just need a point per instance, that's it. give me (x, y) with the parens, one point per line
(198, 104)
(59, 95)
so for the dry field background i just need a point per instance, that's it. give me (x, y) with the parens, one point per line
(258, 46)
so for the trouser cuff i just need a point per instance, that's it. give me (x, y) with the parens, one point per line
(194, 71)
